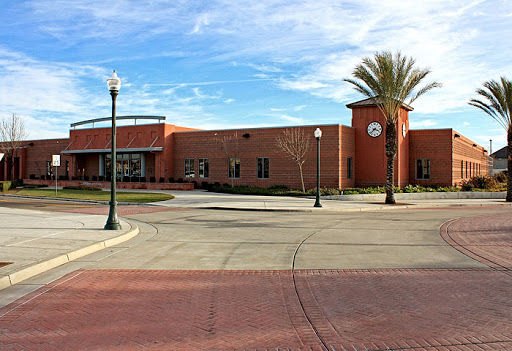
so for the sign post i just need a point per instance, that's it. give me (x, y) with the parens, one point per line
(56, 164)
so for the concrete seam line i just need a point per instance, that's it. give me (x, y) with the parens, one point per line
(41, 267)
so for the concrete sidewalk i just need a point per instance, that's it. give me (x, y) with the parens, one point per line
(207, 200)
(32, 242)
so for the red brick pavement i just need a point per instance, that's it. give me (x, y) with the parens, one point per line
(487, 239)
(226, 310)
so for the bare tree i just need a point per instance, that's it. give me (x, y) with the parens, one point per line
(229, 144)
(12, 135)
(295, 144)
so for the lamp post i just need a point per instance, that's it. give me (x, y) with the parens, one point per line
(318, 135)
(114, 83)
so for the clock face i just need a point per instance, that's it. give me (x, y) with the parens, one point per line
(374, 129)
(403, 130)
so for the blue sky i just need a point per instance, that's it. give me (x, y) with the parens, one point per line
(228, 64)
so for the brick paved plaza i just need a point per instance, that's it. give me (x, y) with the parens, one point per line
(359, 309)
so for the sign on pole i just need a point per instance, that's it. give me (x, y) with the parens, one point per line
(56, 164)
(55, 160)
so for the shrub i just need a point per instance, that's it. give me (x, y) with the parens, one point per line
(483, 182)
(82, 187)
(501, 177)
(466, 185)
(278, 187)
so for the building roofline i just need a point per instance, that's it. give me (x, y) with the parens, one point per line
(371, 102)
(104, 119)
(254, 128)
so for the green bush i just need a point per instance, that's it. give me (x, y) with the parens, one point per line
(278, 187)
(483, 182)
(500, 177)
(6, 185)
(467, 185)
(82, 187)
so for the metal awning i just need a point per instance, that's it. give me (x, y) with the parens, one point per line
(108, 151)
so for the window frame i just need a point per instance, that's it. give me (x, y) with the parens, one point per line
(429, 168)
(203, 172)
(349, 167)
(264, 174)
(188, 170)
(233, 175)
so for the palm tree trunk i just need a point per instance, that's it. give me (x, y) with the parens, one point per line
(391, 146)
(509, 164)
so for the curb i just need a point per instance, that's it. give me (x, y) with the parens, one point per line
(81, 200)
(41, 267)
(352, 209)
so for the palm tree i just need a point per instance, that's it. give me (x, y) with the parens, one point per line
(389, 80)
(499, 107)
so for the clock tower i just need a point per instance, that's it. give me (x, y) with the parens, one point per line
(370, 144)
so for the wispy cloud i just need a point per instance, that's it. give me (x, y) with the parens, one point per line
(422, 124)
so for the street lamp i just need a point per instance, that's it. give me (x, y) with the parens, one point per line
(318, 135)
(113, 83)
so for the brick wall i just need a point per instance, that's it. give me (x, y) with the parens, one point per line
(258, 143)
(39, 151)
(469, 159)
(446, 149)
(348, 149)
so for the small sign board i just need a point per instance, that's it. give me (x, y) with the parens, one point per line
(1, 156)
(56, 160)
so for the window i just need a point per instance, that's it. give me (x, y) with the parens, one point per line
(462, 169)
(127, 165)
(204, 168)
(189, 168)
(466, 169)
(49, 168)
(263, 167)
(234, 168)
(349, 167)
(423, 168)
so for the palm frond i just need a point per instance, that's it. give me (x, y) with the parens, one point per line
(391, 79)
(497, 101)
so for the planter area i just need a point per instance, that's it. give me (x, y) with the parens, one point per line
(119, 185)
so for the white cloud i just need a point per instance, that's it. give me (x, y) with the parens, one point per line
(422, 124)
(291, 119)
(277, 109)
(300, 107)
(201, 21)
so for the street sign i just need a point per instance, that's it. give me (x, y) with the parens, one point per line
(56, 160)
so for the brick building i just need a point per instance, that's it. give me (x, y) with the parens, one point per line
(165, 156)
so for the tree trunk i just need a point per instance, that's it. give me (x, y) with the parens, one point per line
(391, 146)
(301, 178)
(509, 165)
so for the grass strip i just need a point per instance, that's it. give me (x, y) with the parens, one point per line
(96, 195)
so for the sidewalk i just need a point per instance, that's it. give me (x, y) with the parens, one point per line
(206, 200)
(32, 242)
